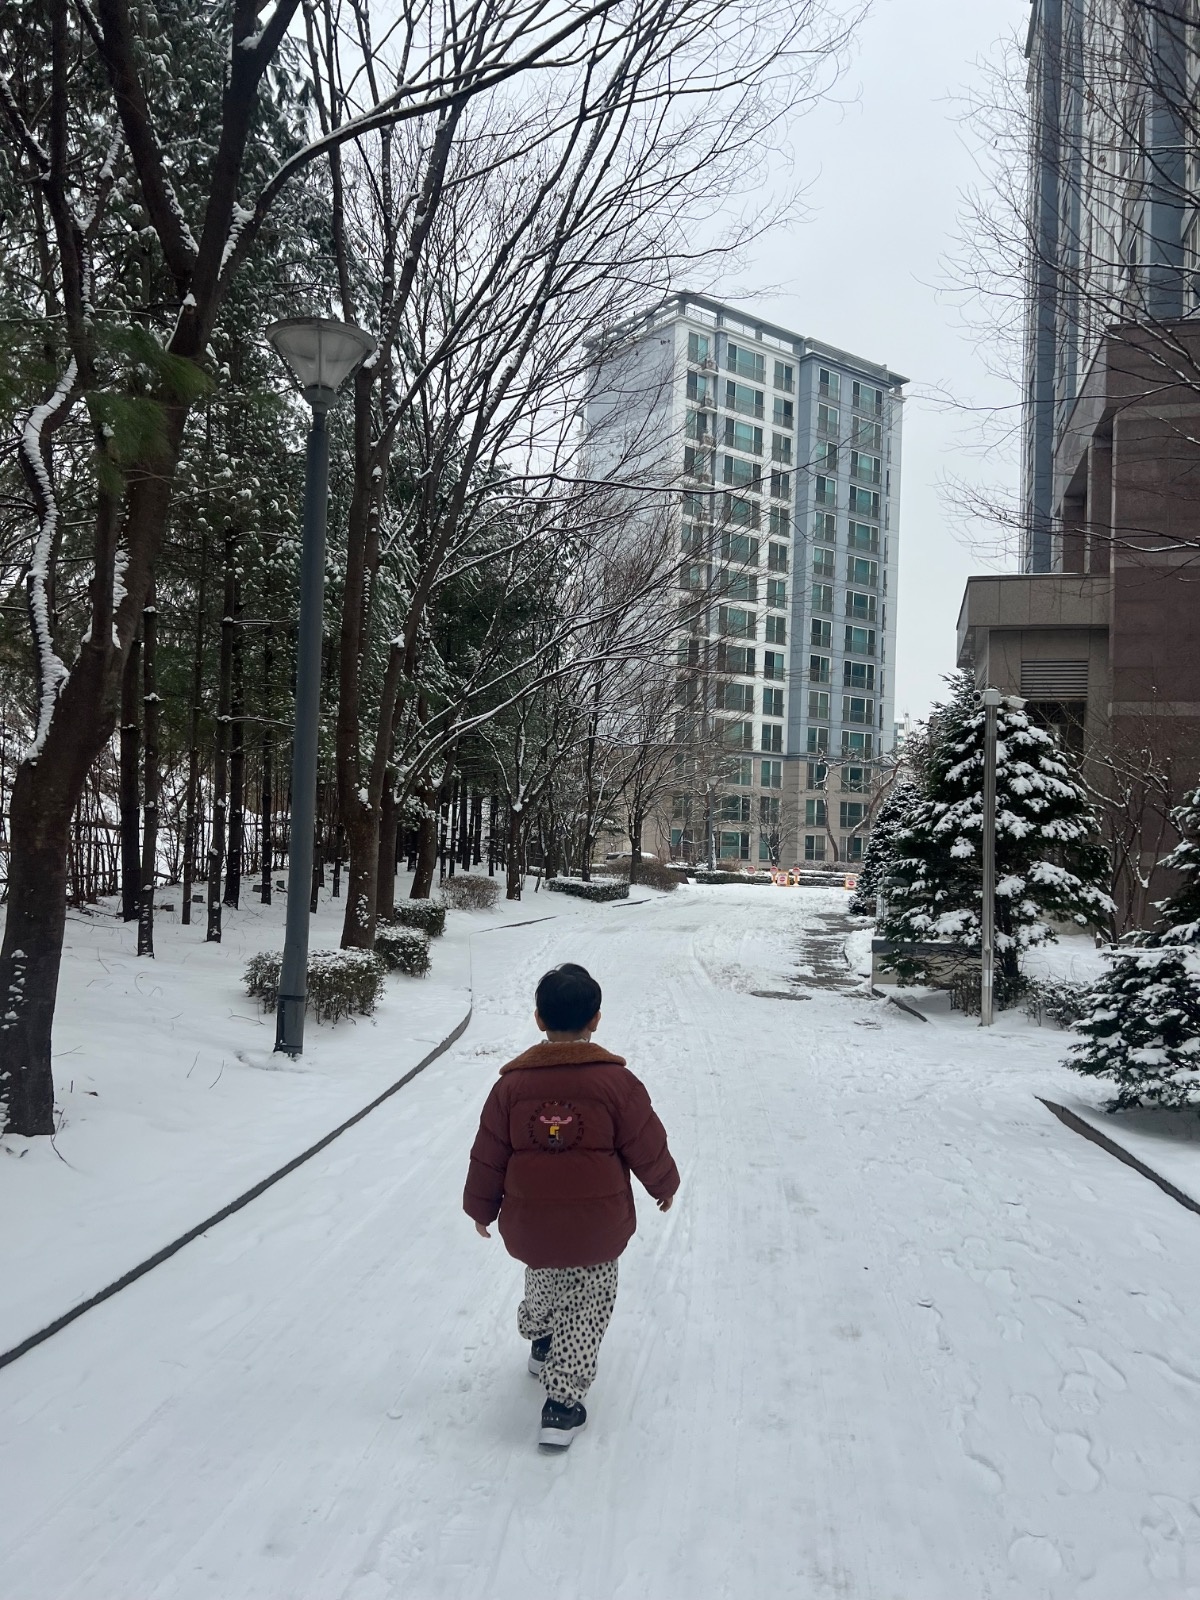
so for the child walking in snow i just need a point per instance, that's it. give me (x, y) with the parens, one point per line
(562, 1129)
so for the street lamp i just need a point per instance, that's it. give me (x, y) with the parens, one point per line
(987, 920)
(321, 355)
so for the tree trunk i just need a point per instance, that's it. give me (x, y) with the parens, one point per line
(131, 853)
(150, 783)
(192, 796)
(216, 843)
(427, 834)
(512, 889)
(237, 755)
(635, 846)
(266, 804)
(385, 881)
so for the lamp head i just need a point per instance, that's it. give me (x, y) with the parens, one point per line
(992, 697)
(320, 353)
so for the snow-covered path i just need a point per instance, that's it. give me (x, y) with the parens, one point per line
(903, 1337)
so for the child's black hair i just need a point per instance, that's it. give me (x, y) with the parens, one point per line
(568, 998)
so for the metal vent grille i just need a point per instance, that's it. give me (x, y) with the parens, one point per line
(1054, 680)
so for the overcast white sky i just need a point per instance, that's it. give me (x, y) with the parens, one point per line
(888, 163)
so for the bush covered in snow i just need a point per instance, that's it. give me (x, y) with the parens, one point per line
(1048, 868)
(403, 950)
(597, 889)
(648, 871)
(1141, 1030)
(470, 893)
(703, 875)
(427, 915)
(1062, 1002)
(340, 982)
(876, 864)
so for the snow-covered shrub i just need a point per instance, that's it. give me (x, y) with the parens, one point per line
(427, 915)
(965, 988)
(650, 872)
(876, 863)
(470, 893)
(339, 982)
(403, 950)
(1179, 921)
(703, 875)
(1062, 1002)
(598, 889)
(1048, 868)
(1141, 1030)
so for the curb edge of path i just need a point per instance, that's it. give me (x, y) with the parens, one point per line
(1078, 1125)
(31, 1342)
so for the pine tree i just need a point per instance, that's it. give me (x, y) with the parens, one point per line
(1048, 869)
(1179, 920)
(1142, 1030)
(877, 862)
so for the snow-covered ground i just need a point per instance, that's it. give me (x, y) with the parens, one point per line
(903, 1336)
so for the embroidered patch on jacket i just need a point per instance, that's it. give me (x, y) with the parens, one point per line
(555, 1126)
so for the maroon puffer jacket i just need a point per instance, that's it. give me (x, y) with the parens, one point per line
(560, 1132)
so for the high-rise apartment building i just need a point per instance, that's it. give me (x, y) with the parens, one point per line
(779, 459)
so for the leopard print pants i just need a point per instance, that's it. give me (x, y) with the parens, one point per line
(573, 1304)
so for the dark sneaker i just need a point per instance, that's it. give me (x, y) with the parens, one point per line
(539, 1350)
(561, 1423)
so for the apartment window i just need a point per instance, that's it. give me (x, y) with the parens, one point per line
(700, 388)
(829, 419)
(691, 617)
(783, 413)
(857, 746)
(869, 435)
(864, 467)
(738, 735)
(772, 736)
(742, 513)
(818, 669)
(784, 377)
(868, 399)
(815, 813)
(826, 492)
(822, 597)
(772, 702)
(781, 486)
(696, 507)
(856, 780)
(693, 576)
(699, 425)
(777, 593)
(818, 775)
(740, 548)
(821, 634)
(734, 847)
(852, 848)
(862, 571)
(735, 658)
(745, 363)
(735, 623)
(741, 474)
(781, 449)
(825, 458)
(825, 526)
(860, 641)
(858, 675)
(818, 705)
(771, 774)
(736, 808)
(687, 653)
(687, 691)
(768, 811)
(865, 502)
(857, 709)
(862, 537)
(691, 539)
(743, 436)
(777, 558)
(818, 741)
(776, 630)
(741, 397)
(739, 585)
(814, 847)
(860, 606)
(741, 772)
(698, 463)
(735, 697)
(830, 384)
(823, 560)
(698, 347)
(772, 664)
(851, 814)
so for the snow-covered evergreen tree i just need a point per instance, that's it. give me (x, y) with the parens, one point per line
(877, 861)
(1179, 921)
(1048, 869)
(1142, 1030)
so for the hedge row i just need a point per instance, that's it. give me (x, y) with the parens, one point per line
(427, 915)
(403, 950)
(339, 982)
(469, 893)
(601, 889)
(702, 875)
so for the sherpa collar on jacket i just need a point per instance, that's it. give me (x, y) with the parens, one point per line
(563, 1053)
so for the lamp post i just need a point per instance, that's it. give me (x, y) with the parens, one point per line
(321, 355)
(987, 920)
